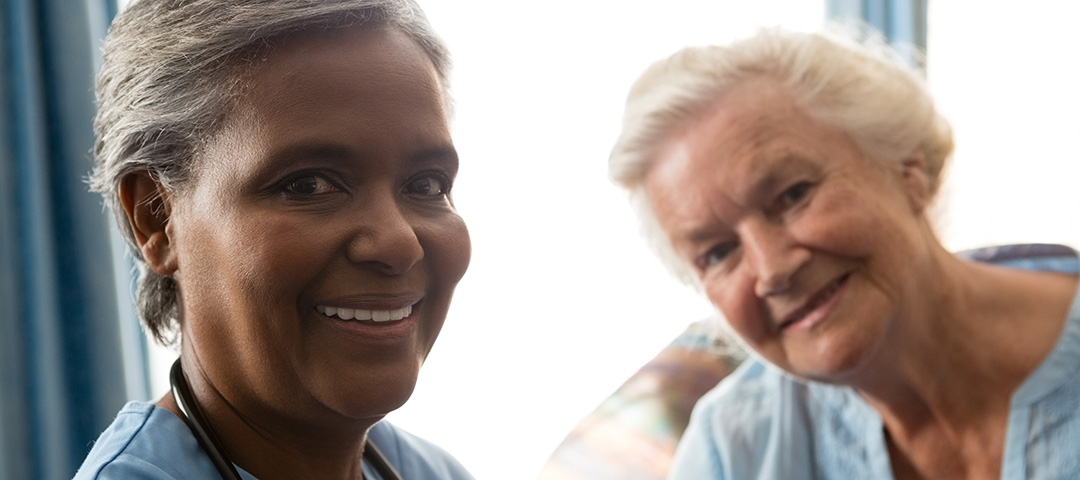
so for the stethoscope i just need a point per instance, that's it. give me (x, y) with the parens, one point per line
(209, 442)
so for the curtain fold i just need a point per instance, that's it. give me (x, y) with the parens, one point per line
(901, 21)
(70, 350)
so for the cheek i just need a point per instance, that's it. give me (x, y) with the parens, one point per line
(246, 265)
(833, 226)
(447, 250)
(735, 298)
(450, 249)
(268, 261)
(855, 218)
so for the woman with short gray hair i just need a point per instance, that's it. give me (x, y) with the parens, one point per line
(789, 176)
(281, 170)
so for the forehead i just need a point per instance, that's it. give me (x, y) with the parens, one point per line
(741, 134)
(734, 152)
(370, 62)
(362, 88)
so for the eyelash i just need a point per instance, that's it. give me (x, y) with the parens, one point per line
(788, 198)
(716, 254)
(289, 184)
(443, 180)
(794, 194)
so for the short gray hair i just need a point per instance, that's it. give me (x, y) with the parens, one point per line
(171, 73)
(846, 77)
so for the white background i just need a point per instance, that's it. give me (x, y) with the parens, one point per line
(563, 301)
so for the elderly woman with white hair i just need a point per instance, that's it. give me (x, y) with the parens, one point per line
(789, 176)
(282, 171)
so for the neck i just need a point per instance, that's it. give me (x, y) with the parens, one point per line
(969, 337)
(270, 445)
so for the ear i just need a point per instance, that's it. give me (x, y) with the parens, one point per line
(148, 207)
(916, 181)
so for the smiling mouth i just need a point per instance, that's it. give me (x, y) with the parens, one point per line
(365, 315)
(818, 300)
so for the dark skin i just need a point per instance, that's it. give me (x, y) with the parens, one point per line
(145, 204)
(327, 190)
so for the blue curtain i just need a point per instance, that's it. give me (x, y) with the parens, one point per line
(71, 352)
(901, 21)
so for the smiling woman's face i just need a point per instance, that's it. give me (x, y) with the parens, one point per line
(807, 246)
(323, 200)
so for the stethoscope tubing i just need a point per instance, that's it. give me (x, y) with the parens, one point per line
(210, 444)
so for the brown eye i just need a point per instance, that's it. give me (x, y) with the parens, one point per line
(429, 186)
(309, 185)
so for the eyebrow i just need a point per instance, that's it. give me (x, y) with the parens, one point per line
(446, 155)
(283, 158)
(340, 154)
(770, 171)
(766, 175)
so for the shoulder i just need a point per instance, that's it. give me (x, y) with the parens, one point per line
(415, 457)
(145, 441)
(739, 413)
(732, 426)
(761, 423)
(1040, 257)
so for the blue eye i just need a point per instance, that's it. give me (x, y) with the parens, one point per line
(795, 194)
(309, 185)
(717, 254)
(428, 186)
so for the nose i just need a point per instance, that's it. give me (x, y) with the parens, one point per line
(386, 239)
(772, 254)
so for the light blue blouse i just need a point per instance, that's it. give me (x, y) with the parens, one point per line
(148, 442)
(760, 423)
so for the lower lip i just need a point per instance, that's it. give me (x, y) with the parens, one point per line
(375, 331)
(819, 314)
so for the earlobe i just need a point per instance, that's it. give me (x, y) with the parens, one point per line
(148, 209)
(916, 180)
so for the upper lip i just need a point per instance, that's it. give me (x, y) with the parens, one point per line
(812, 302)
(374, 301)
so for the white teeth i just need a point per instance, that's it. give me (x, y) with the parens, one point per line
(361, 314)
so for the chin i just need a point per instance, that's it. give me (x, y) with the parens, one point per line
(834, 372)
(371, 393)
(834, 362)
(373, 402)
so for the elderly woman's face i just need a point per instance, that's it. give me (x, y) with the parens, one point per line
(318, 247)
(803, 243)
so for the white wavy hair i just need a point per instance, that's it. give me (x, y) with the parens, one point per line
(845, 76)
